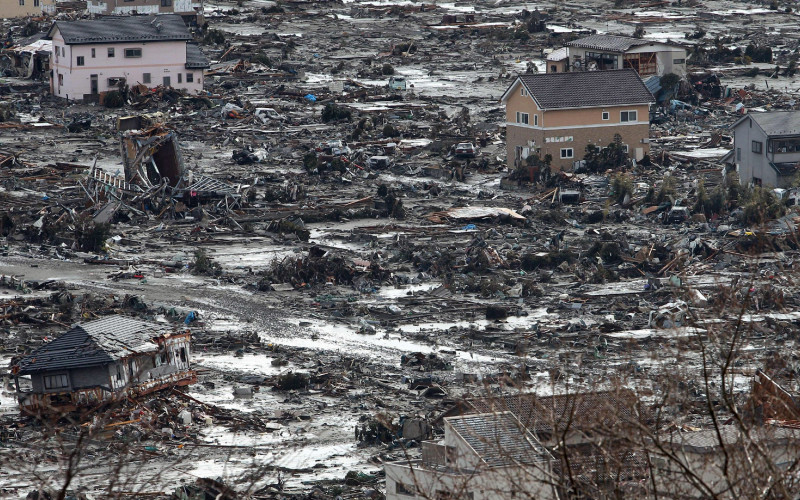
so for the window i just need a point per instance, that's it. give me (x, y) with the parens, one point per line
(606, 115)
(756, 181)
(183, 354)
(60, 79)
(522, 117)
(145, 77)
(553, 68)
(119, 374)
(522, 91)
(111, 52)
(166, 3)
(738, 154)
(679, 61)
(180, 77)
(56, 381)
(536, 120)
(627, 116)
(567, 153)
(80, 61)
(35, 3)
(22, 2)
(167, 81)
(402, 489)
(93, 53)
(189, 77)
(758, 147)
(133, 52)
(625, 148)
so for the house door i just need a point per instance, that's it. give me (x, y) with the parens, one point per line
(94, 90)
(167, 82)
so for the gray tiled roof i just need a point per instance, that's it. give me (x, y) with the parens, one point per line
(778, 123)
(195, 57)
(114, 29)
(612, 43)
(498, 438)
(94, 343)
(587, 89)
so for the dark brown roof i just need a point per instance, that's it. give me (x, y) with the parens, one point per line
(584, 89)
(592, 411)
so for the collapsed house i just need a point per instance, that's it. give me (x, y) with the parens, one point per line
(488, 455)
(101, 362)
(606, 52)
(155, 176)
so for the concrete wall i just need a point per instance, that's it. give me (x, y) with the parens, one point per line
(159, 59)
(572, 129)
(12, 8)
(530, 481)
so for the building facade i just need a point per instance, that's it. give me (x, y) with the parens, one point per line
(766, 148)
(190, 10)
(608, 52)
(560, 114)
(96, 56)
(484, 456)
(26, 8)
(104, 361)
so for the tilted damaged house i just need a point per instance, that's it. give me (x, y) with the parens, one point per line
(95, 56)
(482, 456)
(561, 113)
(607, 52)
(103, 361)
(766, 148)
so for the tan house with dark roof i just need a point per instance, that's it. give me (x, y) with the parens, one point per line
(25, 8)
(561, 113)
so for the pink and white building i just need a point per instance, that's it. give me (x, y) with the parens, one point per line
(94, 56)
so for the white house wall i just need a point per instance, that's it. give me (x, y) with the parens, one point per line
(159, 59)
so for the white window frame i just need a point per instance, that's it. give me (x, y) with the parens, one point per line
(567, 153)
(522, 91)
(606, 116)
(50, 381)
(536, 120)
(625, 116)
(625, 148)
(523, 118)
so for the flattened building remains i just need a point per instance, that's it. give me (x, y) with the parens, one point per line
(102, 362)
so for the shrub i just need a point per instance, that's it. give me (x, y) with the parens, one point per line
(203, 264)
(763, 206)
(390, 131)
(621, 186)
(92, 237)
(114, 99)
(332, 112)
(387, 69)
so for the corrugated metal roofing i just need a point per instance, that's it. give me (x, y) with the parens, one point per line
(587, 89)
(499, 439)
(112, 29)
(94, 343)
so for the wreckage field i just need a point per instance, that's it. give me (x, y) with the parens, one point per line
(334, 249)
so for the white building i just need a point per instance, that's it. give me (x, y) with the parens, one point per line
(606, 52)
(483, 456)
(95, 56)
